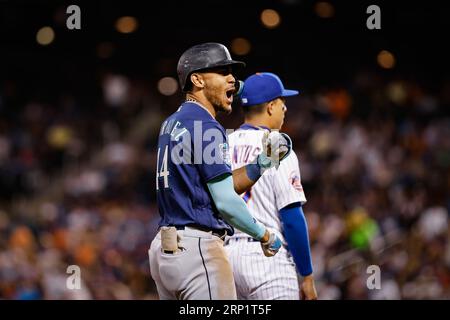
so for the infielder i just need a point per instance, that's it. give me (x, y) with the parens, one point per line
(275, 200)
(196, 189)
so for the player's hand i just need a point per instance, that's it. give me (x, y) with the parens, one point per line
(276, 147)
(308, 289)
(272, 245)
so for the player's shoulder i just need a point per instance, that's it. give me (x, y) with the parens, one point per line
(293, 156)
(193, 111)
(291, 162)
(195, 118)
(242, 132)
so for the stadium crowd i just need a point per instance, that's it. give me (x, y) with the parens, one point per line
(77, 187)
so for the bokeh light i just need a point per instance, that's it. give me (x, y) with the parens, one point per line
(324, 9)
(45, 36)
(240, 46)
(167, 86)
(126, 24)
(386, 59)
(270, 18)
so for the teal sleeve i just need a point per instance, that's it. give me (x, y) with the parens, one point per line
(232, 207)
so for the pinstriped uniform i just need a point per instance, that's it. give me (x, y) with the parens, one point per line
(256, 276)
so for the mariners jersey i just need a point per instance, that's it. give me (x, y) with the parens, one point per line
(275, 189)
(192, 150)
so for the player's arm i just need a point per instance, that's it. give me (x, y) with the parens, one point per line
(245, 177)
(296, 233)
(234, 210)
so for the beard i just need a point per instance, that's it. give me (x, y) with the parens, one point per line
(215, 96)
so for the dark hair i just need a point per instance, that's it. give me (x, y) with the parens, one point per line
(189, 85)
(255, 109)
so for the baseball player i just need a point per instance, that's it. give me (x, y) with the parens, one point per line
(275, 200)
(196, 189)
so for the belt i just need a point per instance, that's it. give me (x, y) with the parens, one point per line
(248, 239)
(221, 233)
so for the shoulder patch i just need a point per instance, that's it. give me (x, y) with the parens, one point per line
(294, 180)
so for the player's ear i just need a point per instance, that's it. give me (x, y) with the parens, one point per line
(197, 80)
(270, 106)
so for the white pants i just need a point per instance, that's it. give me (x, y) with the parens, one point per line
(258, 277)
(200, 272)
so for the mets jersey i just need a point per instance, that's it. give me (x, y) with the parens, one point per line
(275, 189)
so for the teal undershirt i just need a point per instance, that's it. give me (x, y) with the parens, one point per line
(232, 207)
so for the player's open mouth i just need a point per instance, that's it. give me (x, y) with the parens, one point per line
(229, 94)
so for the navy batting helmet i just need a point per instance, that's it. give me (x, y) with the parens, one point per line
(203, 56)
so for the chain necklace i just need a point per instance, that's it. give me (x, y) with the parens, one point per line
(195, 101)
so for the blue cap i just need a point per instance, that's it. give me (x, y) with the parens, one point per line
(263, 87)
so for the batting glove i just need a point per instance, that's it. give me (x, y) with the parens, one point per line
(276, 147)
(271, 247)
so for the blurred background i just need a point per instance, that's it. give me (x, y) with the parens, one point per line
(80, 111)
